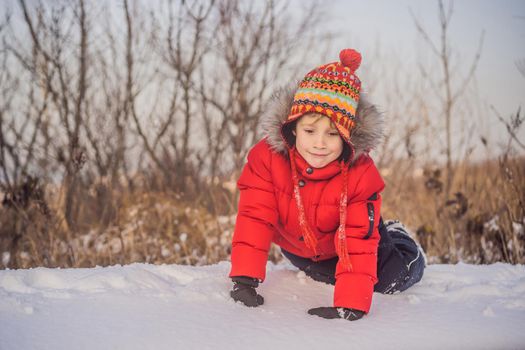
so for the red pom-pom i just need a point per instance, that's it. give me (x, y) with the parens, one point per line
(350, 58)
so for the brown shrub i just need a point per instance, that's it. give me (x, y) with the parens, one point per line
(482, 222)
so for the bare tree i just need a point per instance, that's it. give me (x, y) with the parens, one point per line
(445, 89)
(66, 86)
(184, 54)
(171, 98)
(255, 47)
(106, 114)
(19, 127)
(180, 47)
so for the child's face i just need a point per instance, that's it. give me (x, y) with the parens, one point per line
(317, 140)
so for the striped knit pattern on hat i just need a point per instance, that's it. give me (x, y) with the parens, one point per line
(332, 90)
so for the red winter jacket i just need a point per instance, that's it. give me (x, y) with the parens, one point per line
(268, 212)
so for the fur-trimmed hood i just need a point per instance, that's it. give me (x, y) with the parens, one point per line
(366, 135)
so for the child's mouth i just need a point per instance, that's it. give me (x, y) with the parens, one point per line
(318, 155)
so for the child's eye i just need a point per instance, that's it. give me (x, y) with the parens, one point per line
(335, 133)
(308, 131)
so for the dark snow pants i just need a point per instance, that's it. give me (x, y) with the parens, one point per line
(400, 261)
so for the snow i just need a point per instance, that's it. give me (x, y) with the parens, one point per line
(143, 306)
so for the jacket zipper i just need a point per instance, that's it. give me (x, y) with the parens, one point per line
(371, 215)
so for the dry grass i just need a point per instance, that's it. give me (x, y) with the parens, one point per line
(482, 222)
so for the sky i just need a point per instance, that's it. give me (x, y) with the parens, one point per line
(389, 24)
(502, 21)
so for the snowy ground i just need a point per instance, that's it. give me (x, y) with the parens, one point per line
(183, 307)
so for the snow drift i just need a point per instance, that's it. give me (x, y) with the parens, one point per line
(184, 307)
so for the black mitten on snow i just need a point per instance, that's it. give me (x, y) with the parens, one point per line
(337, 312)
(244, 291)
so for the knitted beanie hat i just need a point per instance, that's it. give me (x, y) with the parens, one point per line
(332, 90)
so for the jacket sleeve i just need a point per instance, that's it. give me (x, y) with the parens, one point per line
(256, 217)
(354, 289)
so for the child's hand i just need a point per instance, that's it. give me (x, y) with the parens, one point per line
(244, 291)
(337, 312)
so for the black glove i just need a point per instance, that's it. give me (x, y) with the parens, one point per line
(337, 312)
(244, 291)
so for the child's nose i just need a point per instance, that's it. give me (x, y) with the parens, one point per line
(320, 141)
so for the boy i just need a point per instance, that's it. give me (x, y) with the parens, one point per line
(310, 187)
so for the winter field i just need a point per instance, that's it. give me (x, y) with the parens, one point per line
(142, 306)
